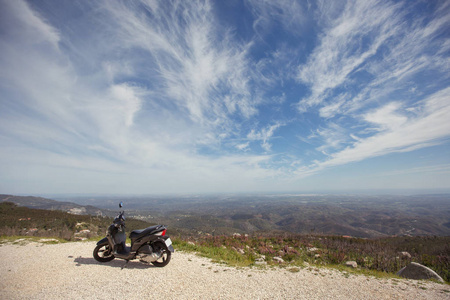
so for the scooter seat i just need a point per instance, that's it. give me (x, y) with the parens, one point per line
(135, 234)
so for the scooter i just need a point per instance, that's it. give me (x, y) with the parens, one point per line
(149, 245)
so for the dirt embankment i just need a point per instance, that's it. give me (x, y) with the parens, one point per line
(68, 271)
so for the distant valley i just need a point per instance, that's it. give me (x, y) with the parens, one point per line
(353, 215)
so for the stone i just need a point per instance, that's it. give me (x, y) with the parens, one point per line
(278, 259)
(405, 254)
(418, 271)
(351, 263)
(260, 261)
(312, 249)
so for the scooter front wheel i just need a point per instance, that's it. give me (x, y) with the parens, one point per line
(160, 247)
(103, 253)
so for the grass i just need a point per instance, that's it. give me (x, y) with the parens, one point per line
(216, 254)
(377, 258)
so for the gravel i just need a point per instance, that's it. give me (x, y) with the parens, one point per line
(68, 270)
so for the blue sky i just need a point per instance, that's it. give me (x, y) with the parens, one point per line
(224, 96)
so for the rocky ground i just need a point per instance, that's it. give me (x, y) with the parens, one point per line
(38, 271)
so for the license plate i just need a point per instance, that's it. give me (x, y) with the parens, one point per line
(168, 242)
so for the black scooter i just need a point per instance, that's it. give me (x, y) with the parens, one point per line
(149, 245)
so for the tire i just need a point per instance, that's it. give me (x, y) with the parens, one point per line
(165, 254)
(103, 253)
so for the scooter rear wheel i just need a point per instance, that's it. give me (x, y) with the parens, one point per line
(165, 254)
(103, 253)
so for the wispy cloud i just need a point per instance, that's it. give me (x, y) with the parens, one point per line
(150, 94)
(436, 169)
(200, 67)
(264, 135)
(291, 14)
(349, 41)
(399, 134)
(361, 73)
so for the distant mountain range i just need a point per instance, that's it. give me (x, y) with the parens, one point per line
(44, 203)
(354, 215)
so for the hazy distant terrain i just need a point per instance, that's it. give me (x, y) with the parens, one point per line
(44, 203)
(360, 216)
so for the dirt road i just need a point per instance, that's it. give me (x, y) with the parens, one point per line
(68, 271)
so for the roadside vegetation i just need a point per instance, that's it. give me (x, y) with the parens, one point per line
(386, 255)
(22, 221)
(293, 251)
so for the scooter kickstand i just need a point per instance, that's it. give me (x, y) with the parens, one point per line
(124, 265)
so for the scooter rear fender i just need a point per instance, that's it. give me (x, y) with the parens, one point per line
(164, 238)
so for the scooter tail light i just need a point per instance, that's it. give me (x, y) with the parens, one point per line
(161, 233)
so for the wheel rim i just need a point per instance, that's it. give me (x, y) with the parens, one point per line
(163, 257)
(104, 252)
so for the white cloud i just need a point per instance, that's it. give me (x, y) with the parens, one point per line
(26, 25)
(264, 135)
(399, 134)
(243, 147)
(156, 94)
(290, 13)
(199, 63)
(334, 108)
(333, 137)
(341, 51)
(386, 117)
(435, 169)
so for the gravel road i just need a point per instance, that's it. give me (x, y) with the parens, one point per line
(68, 271)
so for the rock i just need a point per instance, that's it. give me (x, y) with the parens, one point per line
(260, 261)
(418, 271)
(48, 240)
(278, 259)
(312, 249)
(317, 255)
(351, 263)
(236, 234)
(405, 254)
(83, 232)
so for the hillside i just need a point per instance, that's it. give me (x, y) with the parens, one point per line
(18, 220)
(49, 204)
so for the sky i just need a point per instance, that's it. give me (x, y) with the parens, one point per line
(154, 97)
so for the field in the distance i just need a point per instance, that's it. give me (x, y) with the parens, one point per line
(354, 215)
